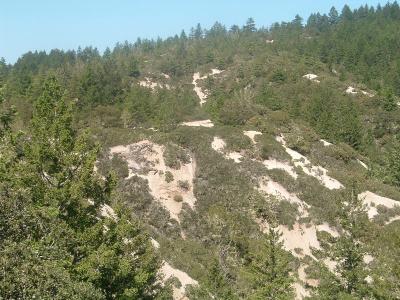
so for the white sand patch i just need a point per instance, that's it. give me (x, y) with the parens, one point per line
(367, 94)
(275, 189)
(216, 71)
(252, 135)
(299, 287)
(168, 272)
(372, 200)
(202, 123)
(148, 83)
(218, 144)
(107, 211)
(326, 143)
(269, 41)
(325, 227)
(391, 220)
(145, 159)
(363, 164)
(300, 291)
(368, 259)
(317, 172)
(300, 240)
(351, 91)
(198, 90)
(155, 243)
(273, 164)
(312, 77)
(166, 76)
(236, 156)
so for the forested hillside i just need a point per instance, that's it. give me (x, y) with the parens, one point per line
(223, 163)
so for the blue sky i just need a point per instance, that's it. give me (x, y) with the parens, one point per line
(66, 24)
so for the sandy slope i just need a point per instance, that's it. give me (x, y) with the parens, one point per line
(318, 172)
(219, 144)
(168, 271)
(372, 200)
(145, 159)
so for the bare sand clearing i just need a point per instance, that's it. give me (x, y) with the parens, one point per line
(252, 135)
(198, 90)
(148, 83)
(351, 91)
(312, 77)
(168, 272)
(145, 159)
(269, 41)
(317, 172)
(372, 200)
(325, 227)
(201, 123)
(273, 164)
(219, 144)
(155, 243)
(107, 211)
(273, 188)
(326, 143)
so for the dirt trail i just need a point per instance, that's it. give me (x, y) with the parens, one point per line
(168, 272)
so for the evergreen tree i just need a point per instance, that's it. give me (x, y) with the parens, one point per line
(270, 268)
(54, 244)
(250, 25)
(348, 251)
(333, 16)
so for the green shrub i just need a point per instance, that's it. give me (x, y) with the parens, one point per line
(169, 177)
(178, 198)
(184, 185)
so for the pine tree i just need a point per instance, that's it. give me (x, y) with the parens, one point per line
(348, 251)
(270, 266)
(333, 16)
(55, 244)
(250, 25)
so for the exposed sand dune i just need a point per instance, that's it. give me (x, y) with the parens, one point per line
(325, 227)
(269, 41)
(312, 77)
(219, 144)
(198, 90)
(275, 189)
(351, 91)
(202, 123)
(326, 143)
(372, 200)
(145, 159)
(318, 172)
(148, 83)
(273, 164)
(168, 272)
(252, 135)
(155, 243)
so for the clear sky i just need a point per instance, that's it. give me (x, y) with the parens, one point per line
(28, 25)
